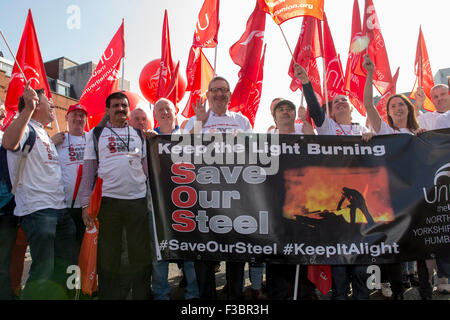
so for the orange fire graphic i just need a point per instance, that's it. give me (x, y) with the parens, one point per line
(315, 191)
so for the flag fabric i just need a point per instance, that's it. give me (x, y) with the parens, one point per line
(250, 43)
(382, 77)
(172, 89)
(334, 74)
(320, 275)
(104, 80)
(246, 53)
(87, 260)
(392, 89)
(207, 27)
(198, 69)
(308, 48)
(424, 76)
(247, 94)
(167, 66)
(282, 11)
(355, 78)
(30, 61)
(200, 74)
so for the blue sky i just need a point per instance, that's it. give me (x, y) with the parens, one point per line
(99, 20)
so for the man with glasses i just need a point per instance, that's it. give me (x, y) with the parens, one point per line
(218, 119)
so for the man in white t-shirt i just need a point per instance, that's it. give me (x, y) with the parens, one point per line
(218, 119)
(440, 96)
(120, 160)
(284, 116)
(39, 198)
(70, 146)
(439, 119)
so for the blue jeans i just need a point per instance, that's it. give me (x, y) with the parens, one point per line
(51, 237)
(256, 271)
(160, 274)
(342, 275)
(160, 283)
(443, 267)
(408, 267)
(8, 234)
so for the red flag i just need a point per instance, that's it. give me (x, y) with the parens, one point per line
(245, 53)
(307, 50)
(249, 46)
(167, 66)
(172, 90)
(104, 80)
(30, 61)
(207, 27)
(282, 11)
(247, 94)
(334, 74)
(381, 105)
(354, 77)
(320, 275)
(382, 77)
(199, 76)
(424, 76)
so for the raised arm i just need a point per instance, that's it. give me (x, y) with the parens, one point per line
(16, 130)
(372, 113)
(315, 110)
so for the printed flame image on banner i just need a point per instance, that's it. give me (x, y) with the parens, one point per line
(362, 188)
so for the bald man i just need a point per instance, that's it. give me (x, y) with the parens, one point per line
(139, 120)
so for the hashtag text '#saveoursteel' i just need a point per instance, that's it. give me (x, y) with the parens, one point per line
(299, 249)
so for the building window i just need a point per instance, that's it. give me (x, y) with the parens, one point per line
(63, 90)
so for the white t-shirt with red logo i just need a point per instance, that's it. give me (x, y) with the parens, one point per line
(120, 151)
(332, 128)
(229, 122)
(42, 185)
(71, 156)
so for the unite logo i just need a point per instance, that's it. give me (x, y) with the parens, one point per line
(30, 73)
(256, 33)
(198, 26)
(441, 191)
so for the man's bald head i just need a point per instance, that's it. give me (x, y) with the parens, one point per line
(138, 119)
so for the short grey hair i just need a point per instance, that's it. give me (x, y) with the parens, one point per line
(172, 106)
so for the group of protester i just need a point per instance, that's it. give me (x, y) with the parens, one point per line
(53, 219)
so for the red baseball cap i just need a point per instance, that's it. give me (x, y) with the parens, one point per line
(76, 107)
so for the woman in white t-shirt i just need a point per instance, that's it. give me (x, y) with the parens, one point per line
(400, 111)
(401, 119)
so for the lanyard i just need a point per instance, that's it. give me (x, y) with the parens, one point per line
(70, 144)
(126, 144)
(345, 133)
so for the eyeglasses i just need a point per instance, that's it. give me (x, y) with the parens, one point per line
(216, 90)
